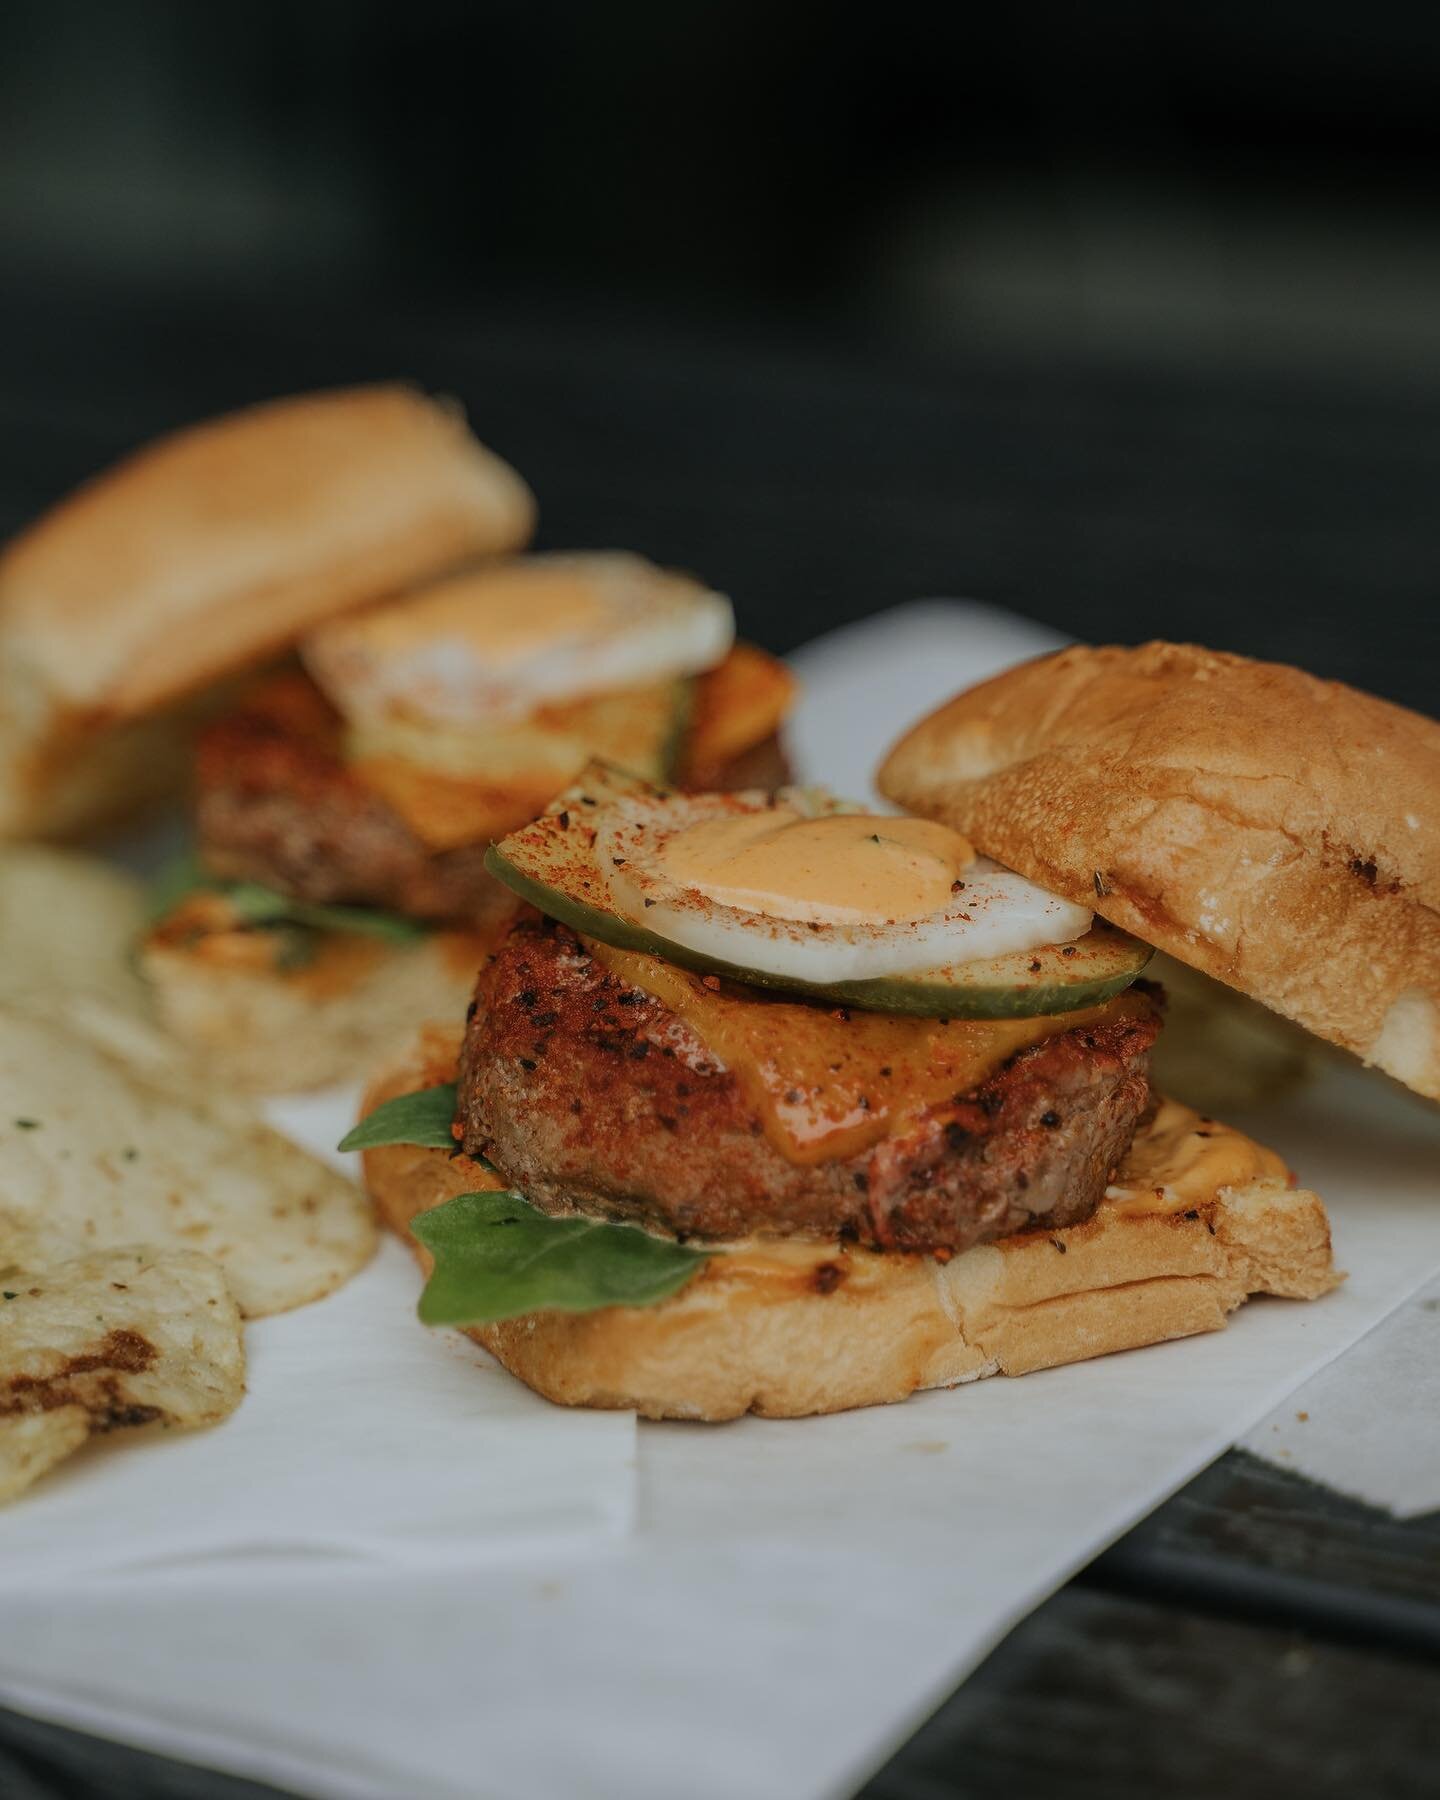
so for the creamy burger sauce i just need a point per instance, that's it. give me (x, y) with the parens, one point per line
(1179, 1163)
(1181, 1160)
(205, 926)
(828, 1083)
(511, 614)
(850, 867)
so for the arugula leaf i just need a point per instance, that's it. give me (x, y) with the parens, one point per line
(497, 1257)
(261, 906)
(422, 1118)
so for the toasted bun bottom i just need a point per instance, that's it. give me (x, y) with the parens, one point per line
(791, 1328)
(272, 1032)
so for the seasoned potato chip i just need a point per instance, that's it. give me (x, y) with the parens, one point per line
(32, 1442)
(69, 923)
(121, 1035)
(107, 1139)
(123, 1337)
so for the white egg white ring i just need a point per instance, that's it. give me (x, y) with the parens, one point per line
(995, 913)
(654, 626)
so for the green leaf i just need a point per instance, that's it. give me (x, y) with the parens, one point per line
(497, 1257)
(257, 905)
(180, 876)
(260, 906)
(422, 1118)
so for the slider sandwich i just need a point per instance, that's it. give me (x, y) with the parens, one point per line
(769, 1104)
(340, 892)
(127, 608)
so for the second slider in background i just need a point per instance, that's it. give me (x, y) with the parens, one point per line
(126, 607)
(338, 893)
(420, 692)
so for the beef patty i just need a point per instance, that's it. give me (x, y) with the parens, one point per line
(277, 804)
(587, 1091)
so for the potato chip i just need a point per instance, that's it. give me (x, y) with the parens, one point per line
(128, 1336)
(107, 1139)
(69, 923)
(32, 1442)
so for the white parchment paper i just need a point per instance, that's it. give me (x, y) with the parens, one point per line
(1369, 1424)
(793, 1596)
(362, 1440)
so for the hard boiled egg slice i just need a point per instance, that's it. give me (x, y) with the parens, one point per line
(810, 890)
(488, 647)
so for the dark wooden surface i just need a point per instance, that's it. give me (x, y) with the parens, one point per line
(1257, 1635)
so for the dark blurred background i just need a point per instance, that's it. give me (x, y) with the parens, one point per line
(1127, 316)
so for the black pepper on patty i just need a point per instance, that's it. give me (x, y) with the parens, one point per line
(669, 1138)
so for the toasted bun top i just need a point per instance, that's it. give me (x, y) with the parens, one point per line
(222, 543)
(1279, 832)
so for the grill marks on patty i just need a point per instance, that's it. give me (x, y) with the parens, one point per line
(589, 1092)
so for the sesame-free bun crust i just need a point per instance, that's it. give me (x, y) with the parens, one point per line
(1275, 831)
(208, 551)
(797, 1327)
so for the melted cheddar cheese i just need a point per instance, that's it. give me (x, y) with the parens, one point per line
(829, 1083)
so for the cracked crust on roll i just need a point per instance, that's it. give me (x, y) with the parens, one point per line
(1275, 831)
(792, 1327)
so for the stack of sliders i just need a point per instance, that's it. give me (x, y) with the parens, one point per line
(768, 1104)
(344, 804)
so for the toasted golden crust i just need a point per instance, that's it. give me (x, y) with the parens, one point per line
(790, 1328)
(1278, 832)
(217, 544)
(214, 547)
